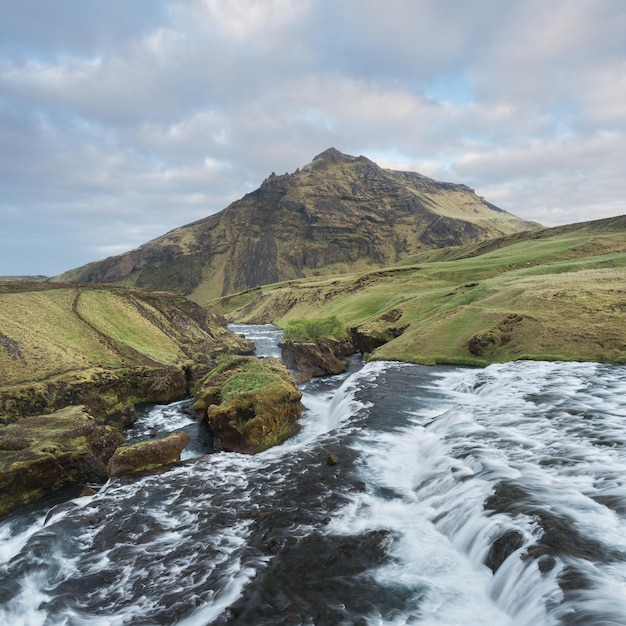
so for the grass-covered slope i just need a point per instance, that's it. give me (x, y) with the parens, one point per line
(56, 341)
(556, 294)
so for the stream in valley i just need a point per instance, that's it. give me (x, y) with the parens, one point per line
(412, 495)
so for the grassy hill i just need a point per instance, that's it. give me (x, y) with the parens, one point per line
(338, 214)
(557, 293)
(58, 341)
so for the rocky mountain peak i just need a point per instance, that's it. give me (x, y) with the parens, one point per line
(338, 214)
(332, 155)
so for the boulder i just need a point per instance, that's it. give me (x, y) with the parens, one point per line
(502, 548)
(128, 415)
(250, 404)
(147, 455)
(44, 453)
(316, 358)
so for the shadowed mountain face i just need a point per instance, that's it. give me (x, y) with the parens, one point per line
(337, 214)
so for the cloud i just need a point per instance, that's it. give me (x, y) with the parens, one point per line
(119, 121)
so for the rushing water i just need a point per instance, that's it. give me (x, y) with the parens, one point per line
(458, 496)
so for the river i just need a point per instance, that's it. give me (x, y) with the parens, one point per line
(412, 495)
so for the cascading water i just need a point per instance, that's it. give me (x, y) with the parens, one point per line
(451, 496)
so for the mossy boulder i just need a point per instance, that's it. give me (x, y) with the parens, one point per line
(44, 453)
(250, 404)
(147, 455)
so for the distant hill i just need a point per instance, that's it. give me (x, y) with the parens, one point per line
(337, 214)
(554, 294)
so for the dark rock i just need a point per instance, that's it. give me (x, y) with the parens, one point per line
(129, 415)
(316, 358)
(393, 315)
(502, 548)
(367, 341)
(480, 344)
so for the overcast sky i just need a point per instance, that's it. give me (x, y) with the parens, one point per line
(121, 120)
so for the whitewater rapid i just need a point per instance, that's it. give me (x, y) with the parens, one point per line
(411, 495)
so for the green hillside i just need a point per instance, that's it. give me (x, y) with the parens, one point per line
(556, 294)
(93, 344)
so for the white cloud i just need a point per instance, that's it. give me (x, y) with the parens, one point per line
(241, 19)
(158, 113)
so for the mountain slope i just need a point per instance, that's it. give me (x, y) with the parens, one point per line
(557, 293)
(337, 214)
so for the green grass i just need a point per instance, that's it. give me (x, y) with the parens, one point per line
(241, 375)
(314, 329)
(117, 318)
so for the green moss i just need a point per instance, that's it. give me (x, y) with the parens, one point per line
(246, 382)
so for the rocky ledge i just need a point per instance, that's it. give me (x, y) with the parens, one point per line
(367, 337)
(250, 404)
(42, 454)
(103, 391)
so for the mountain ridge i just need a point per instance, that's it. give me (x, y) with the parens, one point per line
(339, 213)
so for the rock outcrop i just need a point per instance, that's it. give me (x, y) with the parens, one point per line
(250, 404)
(367, 337)
(337, 214)
(316, 358)
(148, 455)
(42, 454)
(103, 391)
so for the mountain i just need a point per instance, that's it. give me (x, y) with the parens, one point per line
(337, 214)
(553, 294)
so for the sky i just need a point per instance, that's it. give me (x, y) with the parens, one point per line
(122, 120)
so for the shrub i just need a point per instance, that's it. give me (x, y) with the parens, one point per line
(312, 329)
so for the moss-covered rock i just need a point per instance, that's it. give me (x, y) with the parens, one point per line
(42, 454)
(147, 455)
(250, 404)
(103, 391)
